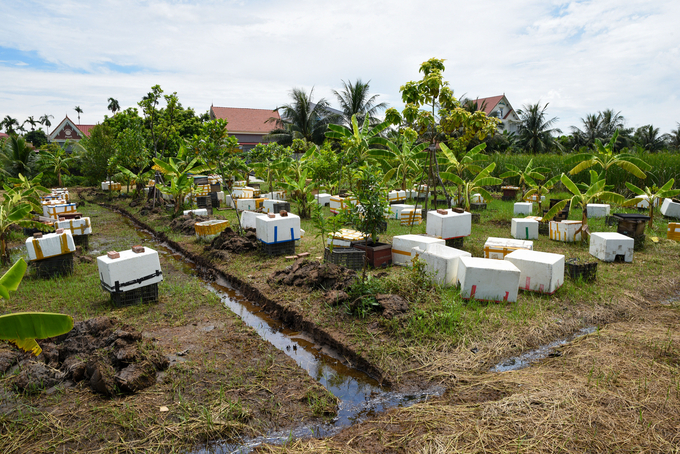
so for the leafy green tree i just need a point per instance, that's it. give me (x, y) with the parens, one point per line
(218, 150)
(14, 209)
(95, 152)
(131, 152)
(272, 160)
(301, 119)
(595, 192)
(56, 160)
(605, 158)
(37, 138)
(355, 100)
(535, 133)
(300, 191)
(475, 185)
(79, 111)
(368, 215)
(652, 195)
(324, 167)
(17, 157)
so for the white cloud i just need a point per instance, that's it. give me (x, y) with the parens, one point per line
(580, 57)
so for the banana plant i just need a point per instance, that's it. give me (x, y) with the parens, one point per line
(23, 328)
(468, 162)
(652, 195)
(138, 179)
(14, 209)
(595, 192)
(468, 187)
(300, 192)
(401, 161)
(177, 170)
(528, 176)
(541, 189)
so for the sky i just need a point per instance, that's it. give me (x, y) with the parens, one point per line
(581, 57)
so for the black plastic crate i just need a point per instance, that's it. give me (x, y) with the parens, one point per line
(577, 269)
(455, 242)
(146, 294)
(214, 200)
(351, 258)
(204, 201)
(282, 205)
(215, 188)
(82, 240)
(60, 265)
(283, 248)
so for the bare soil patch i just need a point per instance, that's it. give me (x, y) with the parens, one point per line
(312, 274)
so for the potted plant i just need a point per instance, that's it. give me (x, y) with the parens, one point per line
(368, 216)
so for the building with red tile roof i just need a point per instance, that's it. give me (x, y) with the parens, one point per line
(249, 126)
(68, 130)
(499, 107)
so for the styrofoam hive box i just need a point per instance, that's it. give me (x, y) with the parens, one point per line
(565, 231)
(397, 208)
(523, 208)
(477, 198)
(670, 208)
(268, 205)
(673, 231)
(48, 203)
(345, 237)
(396, 196)
(441, 262)
(411, 217)
(278, 229)
(338, 203)
(210, 229)
(323, 199)
(607, 245)
(524, 229)
(248, 219)
(449, 225)
(130, 271)
(597, 210)
(488, 280)
(249, 204)
(111, 185)
(229, 201)
(197, 212)
(54, 211)
(644, 203)
(534, 198)
(77, 227)
(220, 196)
(498, 248)
(242, 192)
(540, 271)
(50, 245)
(403, 244)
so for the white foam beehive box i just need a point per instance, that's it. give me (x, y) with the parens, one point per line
(523, 208)
(229, 201)
(397, 208)
(249, 204)
(345, 237)
(597, 210)
(48, 203)
(54, 211)
(111, 185)
(540, 271)
(337, 203)
(323, 199)
(411, 217)
(242, 192)
(130, 271)
(644, 203)
(403, 244)
(607, 245)
(278, 229)
(449, 225)
(488, 280)
(197, 212)
(498, 248)
(565, 231)
(248, 219)
(50, 245)
(534, 198)
(396, 196)
(524, 229)
(441, 262)
(477, 198)
(268, 205)
(210, 229)
(77, 227)
(670, 208)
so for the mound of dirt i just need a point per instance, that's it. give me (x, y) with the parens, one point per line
(314, 275)
(185, 224)
(108, 357)
(231, 241)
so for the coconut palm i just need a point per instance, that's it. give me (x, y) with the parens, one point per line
(31, 121)
(605, 158)
(651, 195)
(79, 111)
(596, 191)
(535, 132)
(673, 139)
(354, 99)
(526, 176)
(17, 157)
(57, 161)
(45, 120)
(301, 119)
(10, 124)
(113, 106)
(648, 138)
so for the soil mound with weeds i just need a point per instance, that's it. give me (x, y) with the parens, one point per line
(108, 357)
(185, 224)
(231, 241)
(314, 275)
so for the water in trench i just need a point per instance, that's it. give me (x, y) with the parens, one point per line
(360, 395)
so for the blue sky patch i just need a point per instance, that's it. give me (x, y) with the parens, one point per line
(24, 59)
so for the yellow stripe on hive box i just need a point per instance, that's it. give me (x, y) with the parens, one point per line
(673, 232)
(213, 227)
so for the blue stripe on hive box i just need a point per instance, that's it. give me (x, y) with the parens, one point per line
(276, 236)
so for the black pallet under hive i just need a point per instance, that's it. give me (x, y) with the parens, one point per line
(146, 294)
(351, 258)
(60, 265)
(283, 248)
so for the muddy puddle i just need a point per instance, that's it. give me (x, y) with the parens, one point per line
(360, 395)
(542, 352)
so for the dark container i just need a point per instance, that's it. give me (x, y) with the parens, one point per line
(351, 258)
(477, 206)
(275, 249)
(60, 265)
(201, 180)
(578, 269)
(146, 294)
(455, 242)
(378, 254)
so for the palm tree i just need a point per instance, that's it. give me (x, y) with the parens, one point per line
(31, 121)
(648, 138)
(45, 120)
(17, 157)
(354, 99)
(673, 138)
(79, 110)
(301, 119)
(601, 125)
(10, 123)
(535, 133)
(57, 161)
(113, 106)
